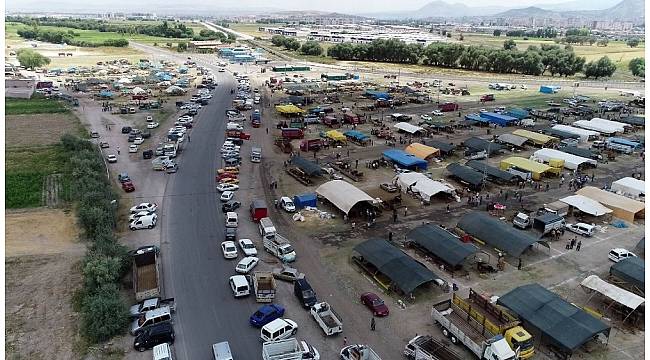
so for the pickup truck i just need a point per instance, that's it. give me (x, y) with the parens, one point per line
(151, 304)
(145, 272)
(289, 349)
(264, 286)
(280, 247)
(326, 318)
(358, 352)
(425, 347)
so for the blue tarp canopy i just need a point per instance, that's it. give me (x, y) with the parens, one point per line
(404, 159)
(517, 113)
(549, 89)
(356, 134)
(303, 200)
(106, 93)
(623, 141)
(499, 119)
(475, 118)
(377, 94)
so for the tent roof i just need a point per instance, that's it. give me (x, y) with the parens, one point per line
(611, 200)
(534, 137)
(482, 144)
(575, 130)
(512, 139)
(571, 161)
(336, 135)
(633, 120)
(421, 151)
(624, 141)
(497, 233)
(356, 134)
(565, 324)
(599, 127)
(526, 164)
(629, 183)
(631, 270)
(409, 128)
(404, 159)
(422, 184)
(289, 109)
(491, 170)
(586, 205)
(342, 194)
(309, 167)
(403, 270)
(621, 296)
(611, 123)
(561, 133)
(465, 173)
(582, 152)
(442, 243)
(443, 146)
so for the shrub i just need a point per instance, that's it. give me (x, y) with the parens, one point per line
(104, 314)
(99, 270)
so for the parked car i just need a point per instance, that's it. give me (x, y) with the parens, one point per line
(144, 206)
(278, 329)
(144, 222)
(111, 158)
(287, 273)
(287, 204)
(104, 145)
(246, 264)
(151, 317)
(133, 148)
(227, 187)
(247, 246)
(229, 249)
(126, 129)
(231, 234)
(437, 113)
(373, 302)
(147, 154)
(240, 285)
(583, 229)
(139, 214)
(232, 219)
(128, 186)
(154, 335)
(266, 314)
(153, 125)
(230, 206)
(304, 292)
(619, 254)
(123, 177)
(149, 118)
(227, 196)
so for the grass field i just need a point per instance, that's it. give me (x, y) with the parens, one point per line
(33, 106)
(25, 171)
(251, 29)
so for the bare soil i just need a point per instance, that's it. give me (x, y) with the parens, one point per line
(42, 255)
(38, 129)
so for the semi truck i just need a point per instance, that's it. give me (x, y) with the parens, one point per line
(289, 349)
(146, 282)
(425, 347)
(264, 286)
(326, 318)
(358, 352)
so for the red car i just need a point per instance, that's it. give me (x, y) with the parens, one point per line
(128, 186)
(374, 303)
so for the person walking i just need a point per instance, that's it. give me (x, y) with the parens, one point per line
(405, 210)
(118, 150)
(395, 216)
(448, 209)
(345, 341)
(188, 138)
(579, 245)
(372, 324)
(519, 264)
(390, 236)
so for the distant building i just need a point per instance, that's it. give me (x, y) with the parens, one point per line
(207, 45)
(19, 88)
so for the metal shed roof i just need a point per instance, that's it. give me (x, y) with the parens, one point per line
(582, 152)
(491, 171)
(633, 120)
(482, 145)
(443, 146)
(442, 244)
(497, 233)
(409, 128)
(560, 134)
(309, 167)
(403, 270)
(537, 138)
(631, 270)
(512, 139)
(560, 322)
(466, 174)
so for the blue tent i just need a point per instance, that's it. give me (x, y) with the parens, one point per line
(404, 159)
(106, 94)
(377, 94)
(499, 119)
(475, 118)
(549, 89)
(303, 200)
(623, 141)
(518, 113)
(358, 135)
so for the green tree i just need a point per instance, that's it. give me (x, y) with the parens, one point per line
(311, 48)
(292, 44)
(30, 59)
(496, 33)
(602, 42)
(101, 270)
(634, 42)
(509, 44)
(637, 67)
(104, 314)
(182, 46)
(604, 67)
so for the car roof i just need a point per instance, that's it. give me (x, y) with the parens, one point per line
(246, 241)
(303, 283)
(371, 295)
(239, 280)
(231, 214)
(248, 260)
(276, 324)
(228, 242)
(286, 198)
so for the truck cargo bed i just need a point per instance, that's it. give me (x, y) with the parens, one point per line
(147, 278)
(465, 327)
(329, 320)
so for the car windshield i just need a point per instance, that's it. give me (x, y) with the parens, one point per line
(249, 246)
(230, 248)
(308, 294)
(258, 314)
(287, 250)
(377, 302)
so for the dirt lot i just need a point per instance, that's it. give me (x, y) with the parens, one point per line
(43, 129)
(42, 254)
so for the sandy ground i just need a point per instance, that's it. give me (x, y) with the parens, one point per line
(41, 264)
(41, 130)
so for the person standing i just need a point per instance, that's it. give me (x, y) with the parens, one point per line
(519, 264)
(579, 245)
(345, 341)
(372, 324)
(118, 150)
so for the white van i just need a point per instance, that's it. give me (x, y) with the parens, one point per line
(231, 219)
(151, 317)
(278, 329)
(144, 222)
(239, 285)
(619, 254)
(267, 230)
(221, 351)
(162, 352)
(581, 229)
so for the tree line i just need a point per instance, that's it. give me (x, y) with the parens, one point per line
(164, 29)
(307, 48)
(66, 37)
(545, 33)
(206, 34)
(637, 67)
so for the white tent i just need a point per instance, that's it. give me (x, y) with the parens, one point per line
(421, 184)
(124, 81)
(629, 187)
(571, 162)
(174, 90)
(611, 123)
(584, 134)
(343, 194)
(595, 126)
(586, 205)
(412, 129)
(138, 90)
(613, 292)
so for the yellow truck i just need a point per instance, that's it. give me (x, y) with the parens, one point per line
(491, 319)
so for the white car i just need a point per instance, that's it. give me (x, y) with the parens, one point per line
(134, 217)
(149, 118)
(144, 222)
(144, 207)
(425, 117)
(246, 264)
(229, 249)
(138, 140)
(153, 125)
(111, 158)
(287, 204)
(222, 70)
(583, 229)
(619, 254)
(133, 148)
(227, 187)
(247, 247)
(226, 195)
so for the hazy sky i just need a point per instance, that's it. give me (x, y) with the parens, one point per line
(357, 6)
